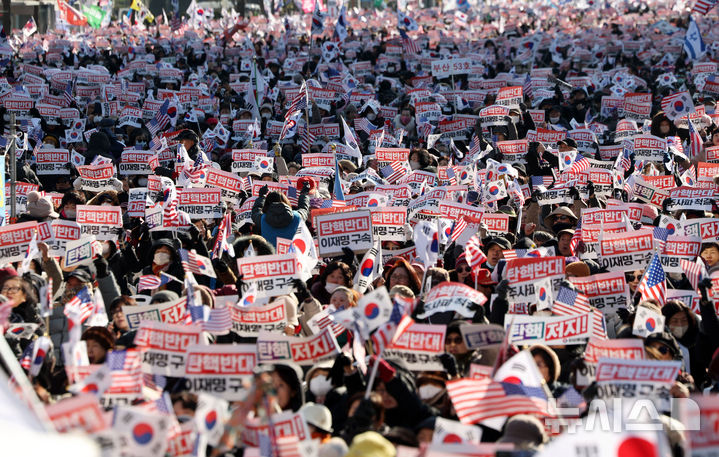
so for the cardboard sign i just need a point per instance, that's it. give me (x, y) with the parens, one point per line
(52, 161)
(549, 330)
(57, 234)
(350, 229)
(649, 148)
(607, 292)
(448, 67)
(244, 159)
(137, 201)
(452, 296)
(136, 162)
(523, 273)
(679, 247)
(625, 348)
(482, 335)
(495, 115)
(388, 223)
(272, 348)
(220, 369)
(627, 251)
(173, 312)
(96, 178)
(165, 346)
(419, 346)
(250, 321)
(230, 184)
(271, 274)
(77, 413)
(200, 203)
(102, 222)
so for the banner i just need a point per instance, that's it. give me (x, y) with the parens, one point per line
(52, 161)
(478, 336)
(549, 330)
(220, 369)
(352, 230)
(624, 348)
(627, 251)
(14, 240)
(173, 312)
(250, 321)
(165, 346)
(244, 159)
(523, 273)
(271, 274)
(56, 234)
(420, 347)
(679, 247)
(102, 222)
(452, 296)
(96, 178)
(80, 252)
(620, 378)
(273, 347)
(388, 223)
(200, 203)
(136, 162)
(607, 292)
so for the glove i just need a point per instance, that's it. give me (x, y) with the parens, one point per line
(665, 204)
(264, 191)
(502, 289)
(100, 266)
(301, 290)
(240, 284)
(306, 186)
(704, 286)
(349, 258)
(220, 265)
(449, 363)
(590, 187)
(384, 370)
(194, 233)
(574, 193)
(478, 317)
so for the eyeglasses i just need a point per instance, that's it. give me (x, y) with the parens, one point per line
(562, 217)
(631, 277)
(11, 289)
(457, 340)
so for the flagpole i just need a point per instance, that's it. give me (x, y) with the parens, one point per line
(372, 376)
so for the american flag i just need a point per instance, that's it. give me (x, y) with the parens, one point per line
(695, 271)
(288, 446)
(703, 6)
(160, 120)
(324, 320)
(196, 264)
(196, 172)
(308, 139)
(474, 147)
(476, 400)
(475, 255)
(660, 237)
(364, 125)
(67, 94)
(696, 144)
(527, 87)
(221, 244)
(153, 282)
(333, 204)
(569, 302)
(391, 330)
(576, 238)
(408, 44)
(170, 216)
(625, 162)
(510, 254)
(292, 195)
(459, 226)
(299, 103)
(219, 322)
(395, 171)
(81, 302)
(580, 165)
(175, 22)
(653, 284)
(545, 181)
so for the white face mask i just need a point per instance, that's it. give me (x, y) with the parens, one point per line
(428, 391)
(515, 119)
(679, 331)
(320, 385)
(331, 287)
(554, 120)
(70, 213)
(413, 165)
(105, 249)
(371, 116)
(161, 258)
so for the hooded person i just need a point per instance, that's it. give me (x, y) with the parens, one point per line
(549, 366)
(274, 217)
(559, 219)
(525, 432)
(697, 340)
(164, 257)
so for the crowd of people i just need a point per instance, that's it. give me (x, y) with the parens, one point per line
(375, 220)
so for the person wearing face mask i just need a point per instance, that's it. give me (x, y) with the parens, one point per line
(164, 257)
(68, 204)
(336, 274)
(662, 126)
(318, 381)
(405, 120)
(697, 340)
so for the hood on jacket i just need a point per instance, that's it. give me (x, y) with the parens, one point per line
(278, 215)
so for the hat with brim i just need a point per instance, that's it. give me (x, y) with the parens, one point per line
(560, 211)
(501, 242)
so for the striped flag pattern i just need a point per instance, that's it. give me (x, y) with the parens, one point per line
(160, 120)
(569, 302)
(703, 6)
(196, 264)
(458, 227)
(653, 284)
(67, 94)
(81, 302)
(580, 165)
(476, 400)
(695, 271)
(219, 321)
(696, 144)
(408, 44)
(324, 320)
(395, 171)
(307, 139)
(576, 238)
(475, 255)
(299, 103)
(364, 125)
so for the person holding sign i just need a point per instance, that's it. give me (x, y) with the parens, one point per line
(273, 214)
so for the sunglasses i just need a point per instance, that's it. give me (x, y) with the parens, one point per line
(663, 350)
(457, 340)
(561, 217)
(633, 277)
(464, 270)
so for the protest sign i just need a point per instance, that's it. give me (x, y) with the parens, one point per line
(102, 222)
(52, 161)
(165, 346)
(200, 203)
(80, 252)
(273, 348)
(607, 292)
(351, 230)
(419, 347)
(172, 312)
(626, 251)
(549, 330)
(97, 178)
(482, 335)
(524, 273)
(452, 296)
(135, 162)
(252, 320)
(220, 370)
(631, 378)
(623, 348)
(271, 274)
(388, 223)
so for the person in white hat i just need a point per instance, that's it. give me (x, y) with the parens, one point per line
(319, 419)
